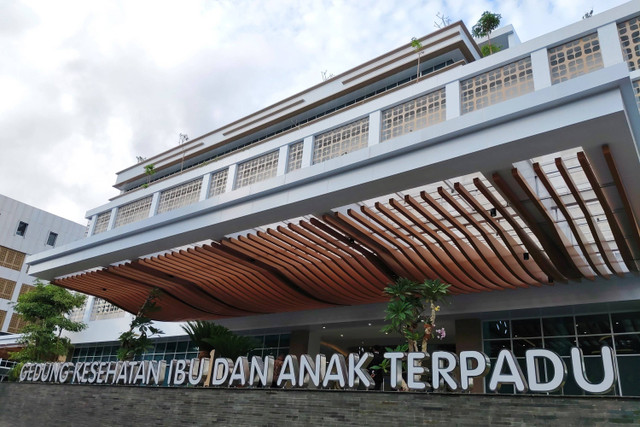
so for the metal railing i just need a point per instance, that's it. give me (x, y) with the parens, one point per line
(5, 367)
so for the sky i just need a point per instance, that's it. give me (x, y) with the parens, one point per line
(86, 86)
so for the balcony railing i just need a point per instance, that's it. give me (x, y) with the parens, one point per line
(437, 100)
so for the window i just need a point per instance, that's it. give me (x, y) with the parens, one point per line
(11, 259)
(6, 288)
(51, 240)
(22, 228)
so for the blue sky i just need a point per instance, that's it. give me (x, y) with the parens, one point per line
(88, 86)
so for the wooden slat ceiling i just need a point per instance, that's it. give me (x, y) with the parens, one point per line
(477, 233)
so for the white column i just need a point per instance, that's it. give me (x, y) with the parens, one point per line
(92, 225)
(204, 189)
(610, 45)
(375, 126)
(282, 160)
(112, 219)
(307, 151)
(155, 200)
(452, 95)
(88, 308)
(231, 177)
(540, 68)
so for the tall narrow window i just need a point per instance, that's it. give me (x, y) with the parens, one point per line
(51, 240)
(22, 228)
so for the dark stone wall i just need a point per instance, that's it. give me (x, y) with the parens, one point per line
(26, 404)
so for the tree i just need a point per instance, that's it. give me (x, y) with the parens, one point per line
(486, 24)
(137, 339)
(417, 46)
(412, 309)
(46, 309)
(199, 330)
(209, 336)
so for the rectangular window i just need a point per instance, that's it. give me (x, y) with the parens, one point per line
(11, 259)
(51, 240)
(218, 183)
(22, 228)
(26, 288)
(258, 169)
(6, 288)
(3, 314)
(341, 141)
(16, 324)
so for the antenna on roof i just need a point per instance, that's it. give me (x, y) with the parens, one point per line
(442, 21)
(182, 138)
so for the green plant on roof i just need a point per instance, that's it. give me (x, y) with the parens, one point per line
(486, 24)
(149, 171)
(417, 47)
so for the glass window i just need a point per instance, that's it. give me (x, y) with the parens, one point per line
(630, 381)
(626, 322)
(522, 345)
(628, 344)
(558, 326)
(592, 345)
(593, 324)
(51, 240)
(492, 348)
(271, 340)
(22, 228)
(526, 328)
(496, 329)
(284, 340)
(562, 346)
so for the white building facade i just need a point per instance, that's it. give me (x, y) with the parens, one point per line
(26, 230)
(512, 177)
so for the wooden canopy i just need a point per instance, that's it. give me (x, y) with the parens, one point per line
(477, 233)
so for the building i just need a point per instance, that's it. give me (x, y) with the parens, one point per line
(25, 230)
(511, 177)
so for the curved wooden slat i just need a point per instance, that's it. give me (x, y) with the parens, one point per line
(496, 273)
(601, 243)
(350, 245)
(587, 252)
(623, 246)
(354, 274)
(622, 192)
(456, 251)
(318, 273)
(497, 249)
(321, 263)
(517, 253)
(357, 233)
(541, 259)
(369, 272)
(247, 262)
(444, 262)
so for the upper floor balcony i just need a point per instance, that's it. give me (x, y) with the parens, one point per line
(377, 129)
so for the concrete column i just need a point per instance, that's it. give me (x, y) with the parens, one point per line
(88, 308)
(375, 121)
(299, 342)
(92, 225)
(540, 67)
(452, 94)
(155, 201)
(610, 45)
(282, 160)
(112, 219)
(307, 151)
(231, 178)
(469, 338)
(204, 189)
